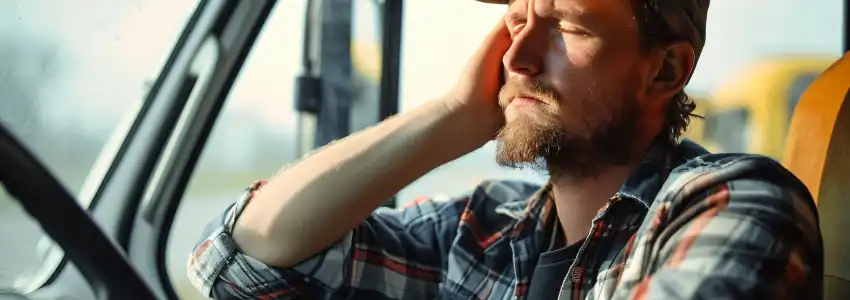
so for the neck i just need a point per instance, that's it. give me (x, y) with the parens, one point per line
(578, 200)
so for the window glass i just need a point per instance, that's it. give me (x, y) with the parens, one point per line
(68, 82)
(252, 138)
(752, 42)
(729, 129)
(366, 59)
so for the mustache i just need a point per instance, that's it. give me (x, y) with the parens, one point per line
(517, 86)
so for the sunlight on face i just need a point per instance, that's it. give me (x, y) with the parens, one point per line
(570, 96)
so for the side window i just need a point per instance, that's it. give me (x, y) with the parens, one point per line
(730, 129)
(72, 76)
(253, 137)
(433, 54)
(745, 52)
(366, 59)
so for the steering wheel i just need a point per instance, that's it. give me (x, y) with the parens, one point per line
(97, 256)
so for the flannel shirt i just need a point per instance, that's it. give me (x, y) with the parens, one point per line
(685, 224)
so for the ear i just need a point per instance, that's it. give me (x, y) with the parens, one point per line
(672, 67)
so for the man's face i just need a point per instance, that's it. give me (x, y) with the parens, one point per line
(576, 79)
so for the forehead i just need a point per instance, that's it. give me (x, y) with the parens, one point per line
(614, 11)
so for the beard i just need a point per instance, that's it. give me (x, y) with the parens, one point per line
(599, 137)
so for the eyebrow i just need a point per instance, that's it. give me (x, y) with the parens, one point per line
(570, 13)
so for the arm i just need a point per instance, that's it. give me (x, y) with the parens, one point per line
(345, 181)
(392, 254)
(313, 226)
(313, 231)
(743, 239)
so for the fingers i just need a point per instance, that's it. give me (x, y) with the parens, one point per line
(499, 39)
(481, 77)
(494, 46)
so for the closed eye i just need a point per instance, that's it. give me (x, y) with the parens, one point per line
(573, 31)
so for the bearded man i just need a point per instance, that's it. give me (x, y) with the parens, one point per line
(592, 94)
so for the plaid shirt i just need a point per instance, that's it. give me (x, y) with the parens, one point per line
(716, 226)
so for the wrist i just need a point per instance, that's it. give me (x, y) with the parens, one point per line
(476, 124)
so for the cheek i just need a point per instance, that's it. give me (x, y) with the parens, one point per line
(590, 80)
(576, 85)
(568, 68)
(589, 102)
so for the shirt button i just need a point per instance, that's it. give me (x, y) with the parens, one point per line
(577, 274)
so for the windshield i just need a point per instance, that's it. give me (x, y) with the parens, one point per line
(69, 84)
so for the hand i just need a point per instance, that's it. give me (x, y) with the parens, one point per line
(477, 90)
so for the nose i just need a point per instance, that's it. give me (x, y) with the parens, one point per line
(526, 54)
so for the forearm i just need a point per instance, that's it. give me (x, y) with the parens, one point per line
(313, 203)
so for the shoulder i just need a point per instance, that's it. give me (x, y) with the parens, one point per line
(692, 162)
(729, 209)
(711, 169)
(508, 195)
(695, 170)
(748, 181)
(505, 191)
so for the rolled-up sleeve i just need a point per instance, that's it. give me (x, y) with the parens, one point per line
(742, 239)
(401, 252)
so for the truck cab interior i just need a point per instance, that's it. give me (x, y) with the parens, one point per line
(109, 238)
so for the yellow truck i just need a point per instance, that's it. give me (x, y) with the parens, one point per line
(751, 111)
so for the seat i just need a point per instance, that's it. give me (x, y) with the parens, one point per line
(817, 150)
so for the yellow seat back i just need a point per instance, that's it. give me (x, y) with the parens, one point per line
(817, 150)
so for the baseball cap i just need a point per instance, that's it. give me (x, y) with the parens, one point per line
(685, 18)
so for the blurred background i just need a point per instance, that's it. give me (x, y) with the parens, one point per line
(72, 71)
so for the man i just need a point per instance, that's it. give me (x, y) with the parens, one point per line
(594, 95)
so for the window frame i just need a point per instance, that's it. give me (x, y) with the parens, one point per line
(228, 28)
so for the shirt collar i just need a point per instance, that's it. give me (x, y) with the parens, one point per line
(642, 185)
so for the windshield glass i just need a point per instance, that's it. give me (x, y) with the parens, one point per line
(73, 74)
